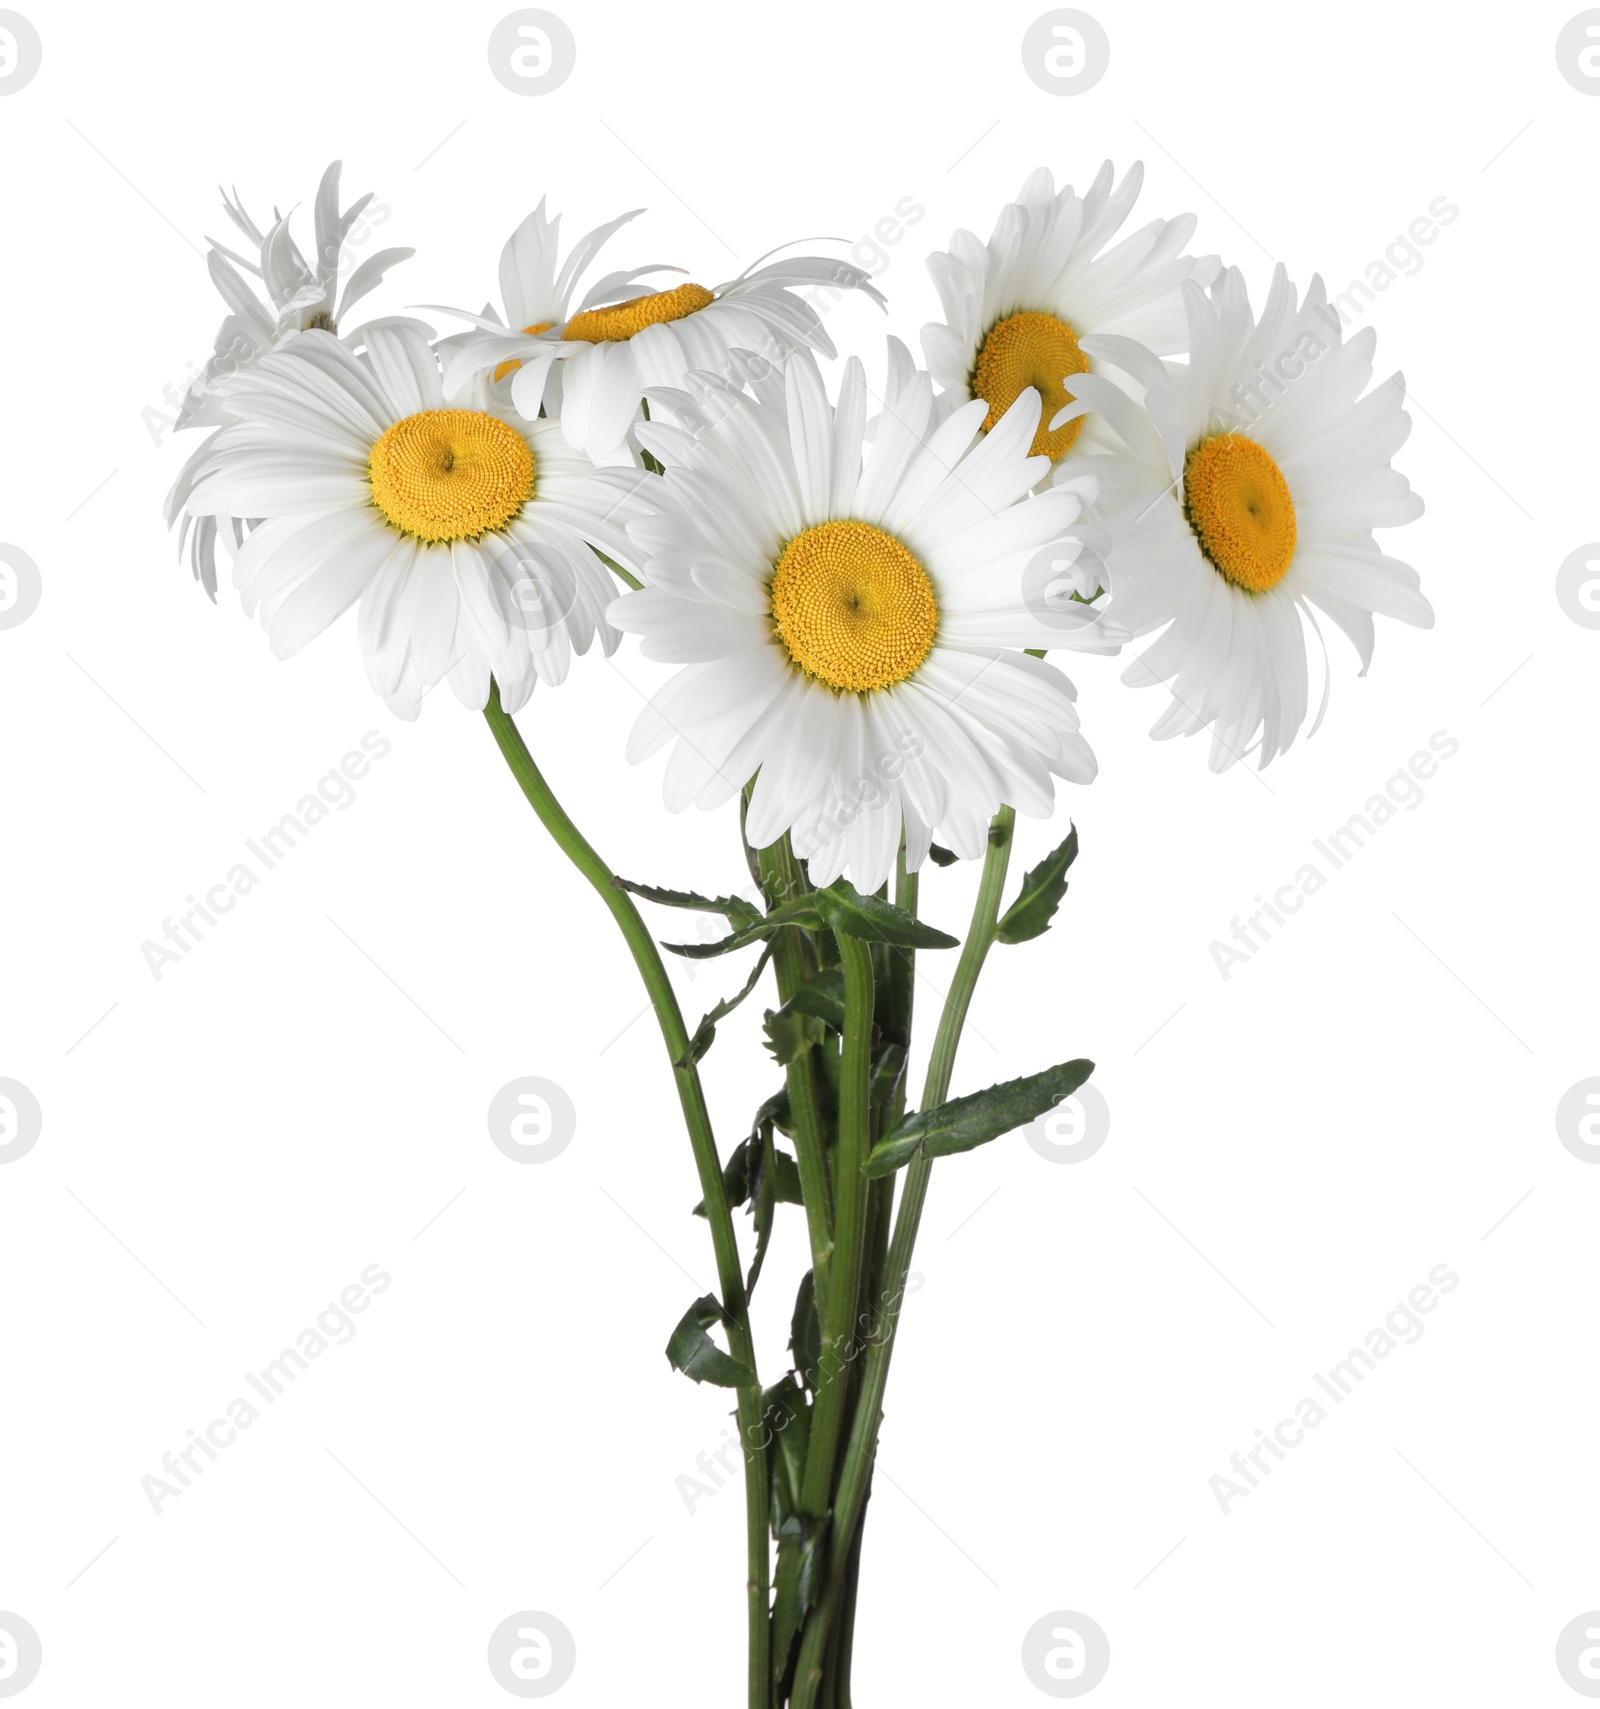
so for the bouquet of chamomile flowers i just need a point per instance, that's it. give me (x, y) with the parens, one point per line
(860, 577)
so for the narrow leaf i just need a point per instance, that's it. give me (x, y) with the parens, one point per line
(734, 909)
(763, 1203)
(874, 920)
(791, 1034)
(801, 911)
(822, 995)
(786, 1417)
(805, 1332)
(964, 1123)
(888, 1067)
(705, 1034)
(795, 1583)
(693, 1352)
(1040, 896)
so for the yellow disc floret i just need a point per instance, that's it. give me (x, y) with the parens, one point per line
(450, 474)
(853, 607)
(623, 320)
(1238, 504)
(1031, 349)
(515, 362)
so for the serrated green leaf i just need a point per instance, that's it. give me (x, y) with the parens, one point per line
(873, 920)
(888, 1067)
(763, 1204)
(734, 909)
(786, 1179)
(693, 1352)
(965, 1123)
(790, 1034)
(1042, 889)
(796, 1583)
(741, 1172)
(805, 1332)
(786, 1417)
(801, 911)
(705, 1034)
(822, 995)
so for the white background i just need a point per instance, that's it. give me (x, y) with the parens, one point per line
(1291, 1153)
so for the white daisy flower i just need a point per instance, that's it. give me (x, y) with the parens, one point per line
(463, 530)
(1243, 493)
(1018, 308)
(627, 337)
(536, 291)
(298, 297)
(851, 627)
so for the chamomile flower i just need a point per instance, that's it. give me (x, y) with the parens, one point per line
(1018, 308)
(536, 289)
(1240, 495)
(297, 298)
(850, 625)
(461, 530)
(627, 337)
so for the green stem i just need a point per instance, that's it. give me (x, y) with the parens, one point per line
(855, 1478)
(849, 1229)
(782, 878)
(697, 1119)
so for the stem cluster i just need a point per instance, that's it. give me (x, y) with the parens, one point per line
(809, 1440)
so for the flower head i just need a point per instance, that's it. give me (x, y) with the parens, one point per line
(294, 296)
(594, 366)
(1242, 493)
(1018, 308)
(462, 530)
(850, 621)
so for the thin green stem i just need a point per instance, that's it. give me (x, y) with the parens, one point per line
(782, 879)
(697, 1120)
(849, 1229)
(855, 1477)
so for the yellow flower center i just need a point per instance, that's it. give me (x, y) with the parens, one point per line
(623, 320)
(1031, 349)
(853, 607)
(1237, 502)
(450, 474)
(511, 366)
